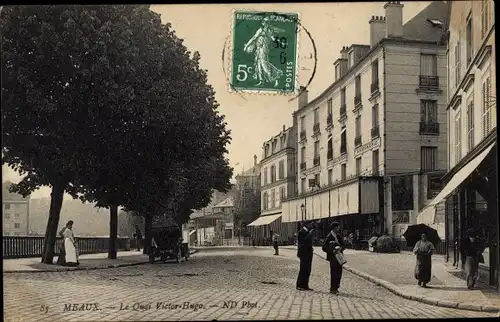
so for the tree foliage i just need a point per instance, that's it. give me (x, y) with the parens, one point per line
(107, 104)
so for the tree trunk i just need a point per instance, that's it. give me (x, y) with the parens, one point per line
(113, 231)
(56, 199)
(147, 233)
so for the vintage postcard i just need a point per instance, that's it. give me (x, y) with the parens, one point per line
(249, 161)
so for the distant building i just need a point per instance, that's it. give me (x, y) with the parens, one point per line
(16, 212)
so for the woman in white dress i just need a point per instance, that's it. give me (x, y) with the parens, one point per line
(71, 256)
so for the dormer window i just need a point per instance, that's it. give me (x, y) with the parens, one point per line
(351, 59)
(436, 23)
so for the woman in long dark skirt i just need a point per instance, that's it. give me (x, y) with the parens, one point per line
(423, 269)
(61, 259)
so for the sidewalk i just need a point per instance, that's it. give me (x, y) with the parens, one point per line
(87, 262)
(395, 273)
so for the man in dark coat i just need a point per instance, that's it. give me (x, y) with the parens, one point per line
(305, 253)
(138, 237)
(334, 242)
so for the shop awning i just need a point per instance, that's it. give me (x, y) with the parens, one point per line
(192, 232)
(264, 220)
(459, 177)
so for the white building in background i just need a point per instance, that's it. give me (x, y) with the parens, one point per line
(15, 212)
(372, 146)
(278, 180)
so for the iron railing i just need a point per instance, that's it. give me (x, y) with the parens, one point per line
(375, 132)
(357, 100)
(374, 87)
(429, 128)
(316, 160)
(316, 128)
(429, 82)
(302, 166)
(343, 109)
(329, 120)
(357, 141)
(302, 135)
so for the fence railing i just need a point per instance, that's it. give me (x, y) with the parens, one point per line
(32, 246)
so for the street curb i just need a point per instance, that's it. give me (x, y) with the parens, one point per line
(92, 268)
(427, 300)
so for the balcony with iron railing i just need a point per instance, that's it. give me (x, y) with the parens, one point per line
(329, 120)
(343, 110)
(329, 154)
(343, 149)
(429, 128)
(316, 160)
(428, 82)
(374, 87)
(375, 132)
(357, 141)
(302, 135)
(357, 101)
(302, 166)
(316, 128)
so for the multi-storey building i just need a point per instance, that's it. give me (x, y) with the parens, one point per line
(470, 193)
(278, 168)
(367, 144)
(16, 212)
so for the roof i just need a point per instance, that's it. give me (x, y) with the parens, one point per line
(419, 29)
(228, 202)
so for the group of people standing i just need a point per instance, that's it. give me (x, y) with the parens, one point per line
(472, 249)
(333, 246)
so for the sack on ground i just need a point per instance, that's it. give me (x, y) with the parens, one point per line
(340, 258)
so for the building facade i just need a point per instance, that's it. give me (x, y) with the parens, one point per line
(278, 180)
(16, 212)
(369, 142)
(470, 193)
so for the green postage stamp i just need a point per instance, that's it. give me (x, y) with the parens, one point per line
(264, 52)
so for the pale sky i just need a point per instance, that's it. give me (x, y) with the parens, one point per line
(254, 118)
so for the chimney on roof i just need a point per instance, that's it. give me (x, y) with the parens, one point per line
(394, 19)
(254, 159)
(284, 127)
(343, 52)
(340, 64)
(303, 97)
(377, 29)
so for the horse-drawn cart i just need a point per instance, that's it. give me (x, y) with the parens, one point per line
(167, 244)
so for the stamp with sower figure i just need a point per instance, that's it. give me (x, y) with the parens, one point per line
(264, 52)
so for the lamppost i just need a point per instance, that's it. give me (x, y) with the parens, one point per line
(302, 209)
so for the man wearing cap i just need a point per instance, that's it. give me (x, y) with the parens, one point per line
(305, 253)
(333, 243)
(472, 250)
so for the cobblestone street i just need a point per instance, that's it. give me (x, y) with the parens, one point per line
(215, 284)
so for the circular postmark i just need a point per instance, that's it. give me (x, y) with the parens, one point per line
(263, 53)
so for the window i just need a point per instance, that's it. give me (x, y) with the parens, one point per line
(330, 149)
(375, 115)
(281, 169)
(273, 198)
(402, 193)
(428, 112)
(375, 72)
(470, 124)
(428, 65)
(428, 158)
(337, 71)
(316, 116)
(458, 131)
(358, 166)
(303, 123)
(303, 154)
(282, 193)
(343, 172)
(273, 148)
(303, 184)
(265, 201)
(468, 37)
(316, 149)
(351, 59)
(330, 106)
(457, 64)
(343, 141)
(357, 127)
(375, 162)
(7, 206)
(17, 225)
(273, 173)
(485, 15)
(330, 176)
(6, 215)
(316, 180)
(265, 175)
(357, 86)
(486, 92)
(342, 97)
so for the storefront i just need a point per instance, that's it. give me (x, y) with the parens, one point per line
(470, 196)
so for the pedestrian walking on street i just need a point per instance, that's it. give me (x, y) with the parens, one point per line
(274, 238)
(423, 268)
(70, 250)
(305, 254)
(138, 237)
(334, 244)
(472, 249)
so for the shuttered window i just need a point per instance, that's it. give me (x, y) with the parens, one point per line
(281, 169)
(428, 111)
(470, 125)
(457, 65)
(428, 65)
(428, 158)
(485, 17)
(486, 92)
(458, 137)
